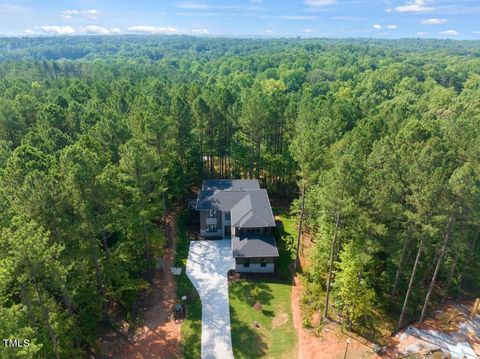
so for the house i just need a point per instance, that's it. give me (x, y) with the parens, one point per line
(240, 210)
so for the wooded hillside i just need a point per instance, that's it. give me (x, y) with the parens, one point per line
(98, 135)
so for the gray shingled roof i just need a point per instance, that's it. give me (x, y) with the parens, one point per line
(248, 203)
(253, 245)
(223, 194)
(253, 211)
(220, 200)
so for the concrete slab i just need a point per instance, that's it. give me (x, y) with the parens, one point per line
(207, 267)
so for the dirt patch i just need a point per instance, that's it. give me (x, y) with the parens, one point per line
(159, 335)
(332, 343)
(257, 306)
(316, 318)
(453, 331)
(280, 320)
(305, 249)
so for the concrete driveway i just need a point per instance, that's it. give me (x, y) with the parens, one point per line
(207, 267)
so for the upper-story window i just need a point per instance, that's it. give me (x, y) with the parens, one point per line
(212, 213)
(227, 216)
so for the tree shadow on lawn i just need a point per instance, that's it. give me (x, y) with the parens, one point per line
(192, 330)
(268, 313)
(247, 341)
(242, 289)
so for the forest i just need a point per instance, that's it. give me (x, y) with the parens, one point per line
(377, 142)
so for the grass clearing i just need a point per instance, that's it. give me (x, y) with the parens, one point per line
(276, 336)
(192, 326)
(285, 236)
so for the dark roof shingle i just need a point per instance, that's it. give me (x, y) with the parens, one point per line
(248, 203)
(253, 245)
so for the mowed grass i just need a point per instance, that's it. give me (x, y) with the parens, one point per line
(192, 326)
(285, 236)
(289, 222)
(276, 336)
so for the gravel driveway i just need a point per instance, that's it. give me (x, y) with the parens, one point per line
(207, 267)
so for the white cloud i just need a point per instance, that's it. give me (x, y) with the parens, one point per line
(309, 31)
(449, 32)
(92, 29)
(256, 1)
(58, 30)
(143, 29)
(89, 14)
(434, 21)
(383, 33)
(422, 33)
(413, 6)
(318, 2)
(192, 5)
(476, 32)
(269, 31)
(200, 31)
(99, 30)
(380, 27)
(92, 13)
(67, 14)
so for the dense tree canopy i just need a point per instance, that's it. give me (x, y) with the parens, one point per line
(99, 134)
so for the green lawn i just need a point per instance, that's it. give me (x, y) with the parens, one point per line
(276, 337)
(285, 235)
(192, 326)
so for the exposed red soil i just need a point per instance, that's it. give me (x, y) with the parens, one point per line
(331, 344)
(447, 321)
(158, 336)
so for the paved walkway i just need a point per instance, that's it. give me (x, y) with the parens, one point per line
(207, 267)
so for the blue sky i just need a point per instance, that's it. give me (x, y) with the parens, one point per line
(457, 19)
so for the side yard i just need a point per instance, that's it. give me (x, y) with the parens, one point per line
(261, 310)
(192, 326)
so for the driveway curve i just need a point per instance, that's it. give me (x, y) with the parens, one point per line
(207, 267)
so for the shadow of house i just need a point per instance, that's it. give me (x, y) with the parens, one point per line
(286, 251)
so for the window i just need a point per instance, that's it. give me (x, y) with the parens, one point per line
(246, 264)
(227, 216)
(212, 213)
(263, 262)
(212, 228)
